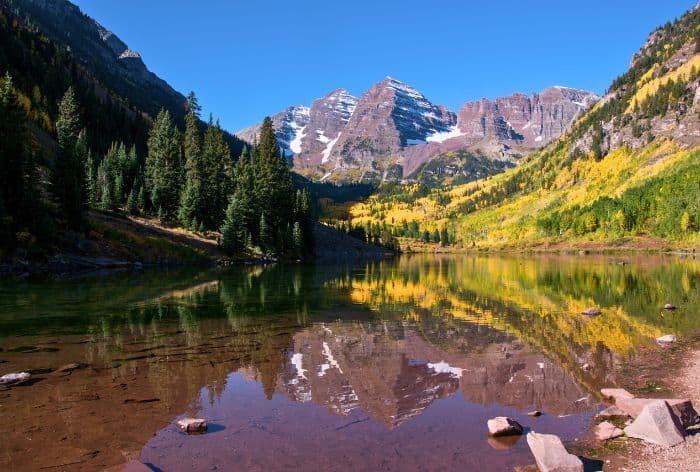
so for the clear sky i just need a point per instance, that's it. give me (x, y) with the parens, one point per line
(246, 59)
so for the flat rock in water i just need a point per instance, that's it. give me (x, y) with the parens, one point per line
(551, 455)
(607, 430)
(611, 411)
(14, 378)
(503, 426)
(535, 413)
(667, 339)
(616, 393)
(192, 425)
(591, 312)
(657, 425)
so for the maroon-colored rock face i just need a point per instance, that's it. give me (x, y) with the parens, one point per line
(521, 120)
(392, 125)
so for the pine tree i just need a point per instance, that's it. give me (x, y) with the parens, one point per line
(191, 203)
(233, 231)
(163, 166)
(68, 178)
(274, 186)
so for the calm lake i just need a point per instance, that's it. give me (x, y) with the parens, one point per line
(392, 365)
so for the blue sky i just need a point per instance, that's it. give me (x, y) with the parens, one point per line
(247, 59)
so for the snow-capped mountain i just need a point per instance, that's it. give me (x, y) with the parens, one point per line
(392, 129)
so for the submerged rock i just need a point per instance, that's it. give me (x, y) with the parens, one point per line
(590, 312)
(616, 393)
(551, 455)
(70, 367)
(656, 424)
(504, 426)
(611, 411)
(15, 378)
(607, 430)
(192, 425)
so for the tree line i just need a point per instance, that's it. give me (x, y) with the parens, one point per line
(187, 177)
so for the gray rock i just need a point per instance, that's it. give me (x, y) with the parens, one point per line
(192, 425)
(551, 455)
(656, 424)
(607, 430)
(667, 339)
(15, 378)
(504, 426)
(669, 306)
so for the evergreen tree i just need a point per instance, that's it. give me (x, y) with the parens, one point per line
(191, 200)
(274, 188)
(68, 175)
(217, 176)
(233, 231)
(163, 166)
(244, 184)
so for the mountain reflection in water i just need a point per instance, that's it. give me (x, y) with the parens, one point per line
(396, 364)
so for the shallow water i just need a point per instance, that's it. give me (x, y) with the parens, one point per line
(395, 365)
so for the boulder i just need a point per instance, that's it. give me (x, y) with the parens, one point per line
(15, 378)
(656, 424)
(611, 412)
(616, 393)
(504, 426)
(669, 307)
(551, 455)
(591, 312)
(192, 425)
(607, 430)
(667, 339)
(682, 409)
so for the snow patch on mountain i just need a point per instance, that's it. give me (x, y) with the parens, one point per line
(329, 147)
(442, 136)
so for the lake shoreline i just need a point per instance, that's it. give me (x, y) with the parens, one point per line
(656, 372)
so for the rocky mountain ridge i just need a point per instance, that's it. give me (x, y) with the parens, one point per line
(101, 52)
(393, 129)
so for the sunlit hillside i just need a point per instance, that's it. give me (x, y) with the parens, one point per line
(629, 168)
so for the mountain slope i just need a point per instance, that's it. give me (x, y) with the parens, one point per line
(101, 52)
(393, 129)
(628, 168)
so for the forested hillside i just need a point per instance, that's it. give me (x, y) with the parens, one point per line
(628, 168)
(70, 145)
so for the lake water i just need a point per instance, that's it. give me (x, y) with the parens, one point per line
(392, 365)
